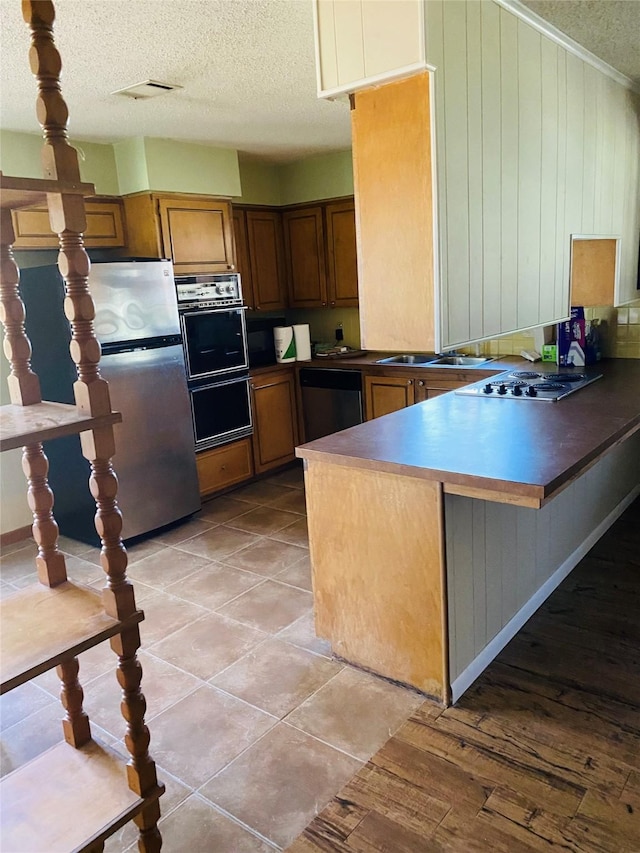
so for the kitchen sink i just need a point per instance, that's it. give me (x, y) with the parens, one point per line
(416, 360)
(434, 360)
(466, 360)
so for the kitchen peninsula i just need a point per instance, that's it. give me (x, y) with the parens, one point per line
(437, 530)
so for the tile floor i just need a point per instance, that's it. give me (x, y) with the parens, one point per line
(254, 727)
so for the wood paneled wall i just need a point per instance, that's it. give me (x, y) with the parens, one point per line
(533, 145)
(498, 556)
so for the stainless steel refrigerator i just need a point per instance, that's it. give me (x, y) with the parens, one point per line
(143, 361)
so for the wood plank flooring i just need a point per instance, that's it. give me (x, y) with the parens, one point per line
(543, 751)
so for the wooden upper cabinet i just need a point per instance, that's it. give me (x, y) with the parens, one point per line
(266, 258)
(320, 246)
(304, 245)
(260, 258)
(194, 232)
(342, 270)
(105, 226)
(197, 234)
(243, 265)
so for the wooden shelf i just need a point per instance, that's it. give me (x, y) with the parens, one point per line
(67, 799)
(20, 425)
(42, 626)
(25, 192)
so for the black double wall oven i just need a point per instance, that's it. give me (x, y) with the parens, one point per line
(214, 336)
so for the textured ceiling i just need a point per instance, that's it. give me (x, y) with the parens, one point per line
(247, 68)
(608, 28)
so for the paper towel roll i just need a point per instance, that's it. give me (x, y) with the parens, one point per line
(302, 340)
(284, 344)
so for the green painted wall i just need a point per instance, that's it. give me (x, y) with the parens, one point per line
(260, 183)
(164, 165)
(20, 156)
(318, 177)
(131, 165)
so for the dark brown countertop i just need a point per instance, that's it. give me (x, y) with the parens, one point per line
(523, 449)
(368, 360)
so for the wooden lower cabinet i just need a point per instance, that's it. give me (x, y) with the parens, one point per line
(386, 394)
(224, 466)
(275, 424)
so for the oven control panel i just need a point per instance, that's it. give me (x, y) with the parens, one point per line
(209, 291)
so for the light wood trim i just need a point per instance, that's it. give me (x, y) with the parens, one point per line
(394, 214)
(490, 495)
(23, 425)
(144, 238)
(627, 435)
(224, 466)
(377, 556)
(41, 627)
(593, 272)
(13, 536)
(25, 192)
(68, 799)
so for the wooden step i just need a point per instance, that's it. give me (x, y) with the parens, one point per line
(67, 799)
(42, 626)
(20, 425)
(25, 192)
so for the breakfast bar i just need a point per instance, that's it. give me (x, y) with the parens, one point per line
(436, 531)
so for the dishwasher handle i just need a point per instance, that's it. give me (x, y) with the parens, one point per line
(341, 380)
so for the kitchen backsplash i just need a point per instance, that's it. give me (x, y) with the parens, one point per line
(619, 332)
(619, 328)
(324, 321)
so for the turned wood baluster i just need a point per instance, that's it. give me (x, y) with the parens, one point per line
(59, 159)
(141, 769)
(24, 387)
(50, 561)
(76, 724)
(24, 390)
(67, 218)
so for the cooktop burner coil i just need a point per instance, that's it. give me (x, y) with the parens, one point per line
(565, 377)
(548, 387)
(526, 374)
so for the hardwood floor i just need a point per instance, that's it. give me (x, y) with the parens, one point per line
(543, 751)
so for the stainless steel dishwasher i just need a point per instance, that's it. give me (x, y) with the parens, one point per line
(331, 400)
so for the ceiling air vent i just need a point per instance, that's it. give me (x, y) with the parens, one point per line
(147, 89)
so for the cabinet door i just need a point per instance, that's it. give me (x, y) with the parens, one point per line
(304, 245)
(275, 425)
(243, 265)
(264, 234)
(197, 234)
(105, 227)
(342, 271)
(386, 394)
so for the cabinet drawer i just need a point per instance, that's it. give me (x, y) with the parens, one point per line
(105, 227)
(224, 466)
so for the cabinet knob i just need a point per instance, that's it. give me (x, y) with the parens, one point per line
(333, 304)
(229, 266)
(324, 304)
(409, 381)
(421, 383)
(223, 467)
